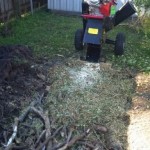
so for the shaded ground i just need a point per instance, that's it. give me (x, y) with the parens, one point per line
(22, 77)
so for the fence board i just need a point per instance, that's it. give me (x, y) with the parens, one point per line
(65, 5)
(6, 7)
(73, 5)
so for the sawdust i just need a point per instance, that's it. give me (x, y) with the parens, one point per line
(86, 75)
(138, 130)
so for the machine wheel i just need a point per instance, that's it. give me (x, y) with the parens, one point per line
(78, 40)
(119, 44)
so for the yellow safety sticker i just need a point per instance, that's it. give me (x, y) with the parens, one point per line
(92, 31)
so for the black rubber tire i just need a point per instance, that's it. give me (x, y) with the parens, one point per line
(78, 40)
(119, 44)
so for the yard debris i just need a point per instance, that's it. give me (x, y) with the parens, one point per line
(47, 135)
(67, 117)
(15, 129)
(100, 128)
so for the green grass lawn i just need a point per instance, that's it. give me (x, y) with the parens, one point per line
(137, 49)
(50, 34)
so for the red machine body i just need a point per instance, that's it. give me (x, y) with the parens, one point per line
(104, 11)
(98, 19)
(106, 7)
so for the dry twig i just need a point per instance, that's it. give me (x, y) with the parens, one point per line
(20, 147)
(39, 139)
(37, 100)
(49, 138)
(74, 140)
(15, 129)
(86, 144)
(46, 121)
(48, 129)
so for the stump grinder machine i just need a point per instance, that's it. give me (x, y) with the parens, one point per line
(99, 17)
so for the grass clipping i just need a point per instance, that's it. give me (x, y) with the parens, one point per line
(87, 94)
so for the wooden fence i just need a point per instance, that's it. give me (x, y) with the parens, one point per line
(9, 8)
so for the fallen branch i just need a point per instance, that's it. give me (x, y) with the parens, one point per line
(46, 121)
(24, 115)
(56, 147)
(69, 135)
(20, 147)
(86, 144)
(37, 100)
(39, 139)
(15, 129)
(37, 112)
(74, 140)
(5, 136)
(65, 131)
(48, 129)
(49, 138)
(100, 129)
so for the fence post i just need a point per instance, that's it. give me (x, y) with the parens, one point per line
(16, 7)
(31, 5)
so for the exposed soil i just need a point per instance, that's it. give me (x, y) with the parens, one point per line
(21, 77)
